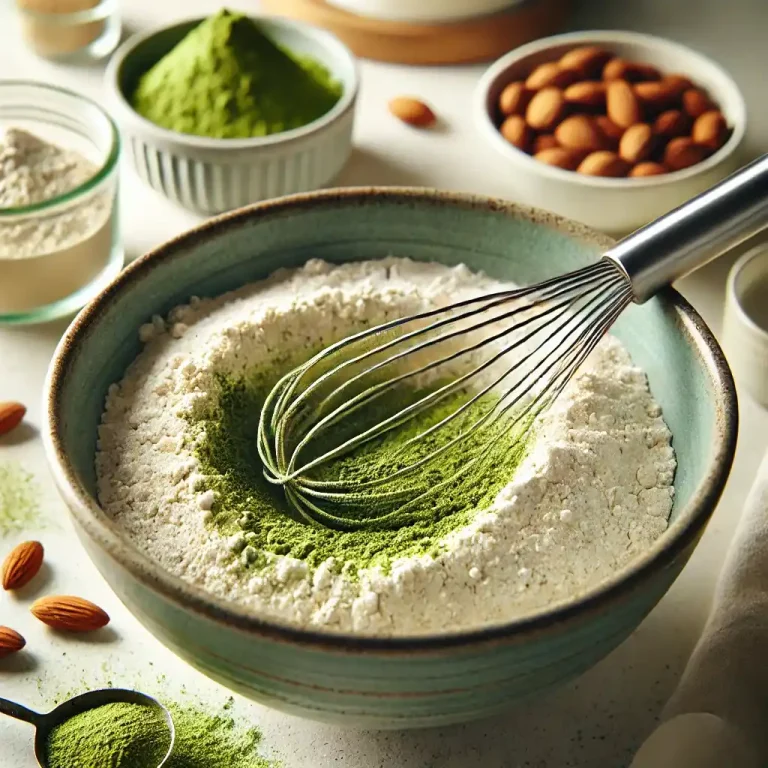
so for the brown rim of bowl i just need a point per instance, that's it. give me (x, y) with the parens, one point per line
(673, 543)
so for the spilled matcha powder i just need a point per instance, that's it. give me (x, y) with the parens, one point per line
(19, 498)
(227, 79)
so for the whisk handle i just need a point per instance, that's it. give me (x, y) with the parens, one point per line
(695, 233)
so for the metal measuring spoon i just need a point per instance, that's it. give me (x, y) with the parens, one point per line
(79, 704)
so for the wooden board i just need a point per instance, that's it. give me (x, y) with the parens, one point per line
(471, 40)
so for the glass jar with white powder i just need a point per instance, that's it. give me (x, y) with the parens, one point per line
(59, 243)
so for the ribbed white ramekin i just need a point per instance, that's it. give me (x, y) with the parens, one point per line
(213, 175)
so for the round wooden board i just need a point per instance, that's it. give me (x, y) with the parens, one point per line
(472, 40)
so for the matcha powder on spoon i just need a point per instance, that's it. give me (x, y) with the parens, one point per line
(227, 79)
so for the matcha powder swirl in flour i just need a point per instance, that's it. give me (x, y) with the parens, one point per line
(227, 79)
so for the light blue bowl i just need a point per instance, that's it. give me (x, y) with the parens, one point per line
(385, 683)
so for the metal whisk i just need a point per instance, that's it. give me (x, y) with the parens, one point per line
(477, 374)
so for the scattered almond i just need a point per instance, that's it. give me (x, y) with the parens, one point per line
(546, 109)
(672, 123)
(603, 163)
(682, 152)
(10, 642)
(567, 159)
(544, 141)
(514, 99)
(586, 94)
(550, 74)
(580, 132)
(11, 415)
(710, 130)
(412, 112)
(588, 60)
(22, 564)
(516, 131)
(637, 143)
(610, 130)
(642, 170)
(696, 102)
(632, 71)
(69, 614)
(621, 104)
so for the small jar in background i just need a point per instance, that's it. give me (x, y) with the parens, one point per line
(70, 29)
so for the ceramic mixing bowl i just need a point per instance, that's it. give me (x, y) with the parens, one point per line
(370, 682)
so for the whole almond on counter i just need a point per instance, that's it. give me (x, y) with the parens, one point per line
(22, 564)
(632, 71)
(550, 74)
(622, 105)
(588, 60)
(710, 130)
(586, 94)
(412, 112)
(580, 132)
(11, 415)
(610, 130)
(672, 123)
(546, 109)
(514, 99)
(637, 143)
(641, 170)
(516, 131)
(683, 152)
(10, 642)
(544, 141)
(69, 614)
(603, 163)
(696, 102)
(657, 96)
(560, 157)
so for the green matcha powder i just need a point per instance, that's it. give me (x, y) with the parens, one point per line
(227, 79)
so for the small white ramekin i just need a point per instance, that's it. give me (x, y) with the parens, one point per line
(745, 322)
(615, 206)
(210, 176)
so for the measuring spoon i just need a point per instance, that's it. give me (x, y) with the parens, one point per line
(79, 704)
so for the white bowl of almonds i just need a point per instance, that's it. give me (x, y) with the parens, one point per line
(610, 128)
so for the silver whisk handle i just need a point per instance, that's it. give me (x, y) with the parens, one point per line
(695, 233)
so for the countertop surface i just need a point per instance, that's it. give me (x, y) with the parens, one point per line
(598, 720)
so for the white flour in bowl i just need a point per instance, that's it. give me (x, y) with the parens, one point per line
(593, 492)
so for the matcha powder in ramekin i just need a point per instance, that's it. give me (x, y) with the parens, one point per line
(226, 79)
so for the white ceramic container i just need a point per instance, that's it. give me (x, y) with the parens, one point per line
(424, 11)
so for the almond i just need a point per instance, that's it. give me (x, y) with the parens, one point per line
(550, 74)
(516, 131)
(603, 163)
(632, 71)
(680, 82)
(586, 94)
(412, 111)
(610, 130)
(637, 143)
(696, 102)
(579, 132)
(710, 130)
(622, 104)
(546, 109)
(682, 152)
(514, 99)
(588, 60)
(567, 159)
(642, 170)
(10, 641)
(22, 564)
(544, 141)
(70, 614)
(11, 415)
(657, 96)
(672, 123)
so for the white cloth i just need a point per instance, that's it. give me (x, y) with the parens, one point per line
(718, 715)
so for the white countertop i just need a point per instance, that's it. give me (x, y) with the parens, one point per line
(596, 721)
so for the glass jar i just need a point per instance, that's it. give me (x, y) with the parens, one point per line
(70, 29)
(57, 254)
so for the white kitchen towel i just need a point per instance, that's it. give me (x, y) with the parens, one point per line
(718, 715)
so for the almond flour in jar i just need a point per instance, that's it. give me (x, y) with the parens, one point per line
(49, 253)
